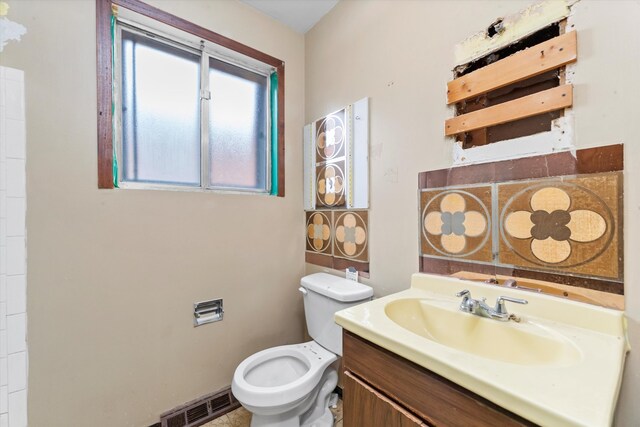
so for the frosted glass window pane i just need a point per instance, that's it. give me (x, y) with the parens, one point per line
(160, 112)
(237, 127)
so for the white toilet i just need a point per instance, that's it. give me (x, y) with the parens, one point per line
(290, 385)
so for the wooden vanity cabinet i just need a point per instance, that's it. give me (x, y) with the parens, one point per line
(368, 407)
(382, 389)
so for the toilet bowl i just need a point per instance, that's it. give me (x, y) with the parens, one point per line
(290, 385)
(280, 384)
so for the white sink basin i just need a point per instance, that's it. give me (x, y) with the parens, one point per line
(561, 364)
(521, 343)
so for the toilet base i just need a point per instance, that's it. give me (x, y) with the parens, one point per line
(282, 420)
(274, 421)
(314, 412)
(326, 420)
(319, 414)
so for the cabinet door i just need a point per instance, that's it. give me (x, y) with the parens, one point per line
(365, 407)
(434, 399)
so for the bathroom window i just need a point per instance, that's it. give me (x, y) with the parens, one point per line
(191, 109)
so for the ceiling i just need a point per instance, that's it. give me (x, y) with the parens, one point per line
(301, 15)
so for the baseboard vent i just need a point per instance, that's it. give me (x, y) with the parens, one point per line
(201, 411)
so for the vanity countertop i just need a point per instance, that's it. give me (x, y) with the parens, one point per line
(562, 364)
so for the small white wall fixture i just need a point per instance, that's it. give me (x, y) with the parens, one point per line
(13, 316)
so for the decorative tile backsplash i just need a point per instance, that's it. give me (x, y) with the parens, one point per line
(319, 232)
(330, 188)
(516, 218)
(350, 233)
(566, 224)
(336, 188)
(330, 146)
(338, 239)
(336, 159)
(457, 223)
(330, 137)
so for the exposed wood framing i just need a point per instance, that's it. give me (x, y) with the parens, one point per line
(538, 103)
(531, 62)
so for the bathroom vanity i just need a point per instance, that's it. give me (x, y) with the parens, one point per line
(384, 389)
(415, 358)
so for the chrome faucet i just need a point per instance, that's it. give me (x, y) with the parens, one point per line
(480, 308)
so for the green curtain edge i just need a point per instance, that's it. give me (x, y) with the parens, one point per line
(113, 106)
(274, 133)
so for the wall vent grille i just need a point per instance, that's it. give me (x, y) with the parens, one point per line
(197, 413)
(178, 420)
(201, 411)
(219, 402)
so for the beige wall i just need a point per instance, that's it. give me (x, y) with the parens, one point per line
(400, 53)
(113, 274)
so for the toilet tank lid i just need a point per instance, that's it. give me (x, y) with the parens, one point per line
(337, 288)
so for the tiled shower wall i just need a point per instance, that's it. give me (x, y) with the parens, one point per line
(13, 348)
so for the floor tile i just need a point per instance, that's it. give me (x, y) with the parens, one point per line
(239, 418)
(242, 418)
(337, 411)
(222, 421)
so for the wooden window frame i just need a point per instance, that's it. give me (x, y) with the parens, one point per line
(104, 78)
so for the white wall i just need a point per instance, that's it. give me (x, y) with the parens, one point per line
(401, 53)
(13, 322)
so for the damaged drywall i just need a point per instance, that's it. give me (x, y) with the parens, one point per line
(509, 29)
(559, 138)
(508, 32)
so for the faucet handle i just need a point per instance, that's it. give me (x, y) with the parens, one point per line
(465, 293)
(500, 306)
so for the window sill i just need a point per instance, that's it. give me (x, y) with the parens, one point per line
(187, 189)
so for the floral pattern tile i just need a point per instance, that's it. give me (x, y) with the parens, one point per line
(350, 235)
(568, 224)
(456, 223)
(319, 237)
(330, 143)
(330, 137)
(330, 185)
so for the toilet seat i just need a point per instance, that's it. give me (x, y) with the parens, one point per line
(281, 376)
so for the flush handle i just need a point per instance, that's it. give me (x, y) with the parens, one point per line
(302, 290)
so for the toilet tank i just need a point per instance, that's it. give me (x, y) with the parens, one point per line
(324, 294)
